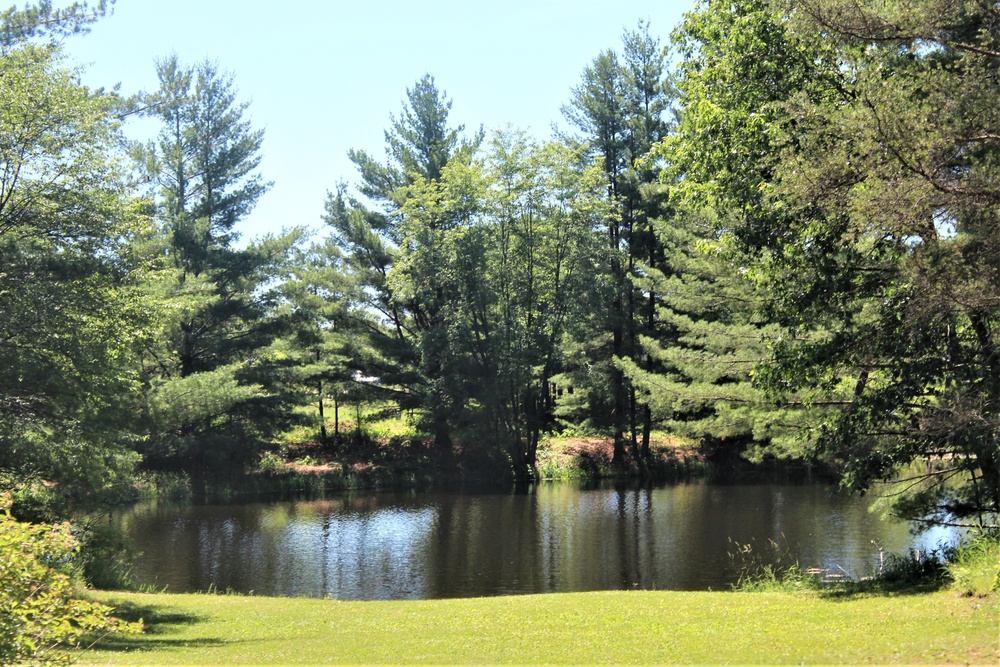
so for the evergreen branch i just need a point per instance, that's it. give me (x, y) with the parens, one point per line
(976, 49)
(983, 137)
(810, 404)
(924, 476)
(947, 524)
(916, 481)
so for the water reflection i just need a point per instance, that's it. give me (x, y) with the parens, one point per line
(552, 538)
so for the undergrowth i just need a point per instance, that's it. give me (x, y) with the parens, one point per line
(972, 569)
(768, 567)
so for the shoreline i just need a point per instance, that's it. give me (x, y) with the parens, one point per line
(320, 472)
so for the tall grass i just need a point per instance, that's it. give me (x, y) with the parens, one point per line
(974, 567)
(769, 567)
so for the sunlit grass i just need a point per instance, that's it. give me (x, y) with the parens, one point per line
(568, 457)
(379, 422)
(602, 627)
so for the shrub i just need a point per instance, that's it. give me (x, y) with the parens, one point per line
(975, 567)
(39, 616)
(106, 556)
(270, 462)
(914, 569)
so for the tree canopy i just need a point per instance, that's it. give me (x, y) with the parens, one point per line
(67, 293)
(855, 182)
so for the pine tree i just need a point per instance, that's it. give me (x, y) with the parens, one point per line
(218, 313)
(852, 160)
(409, 346)
(311, 361)
(709, 340)
(620, 107)
(43, 19)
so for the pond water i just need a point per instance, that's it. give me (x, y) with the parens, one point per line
(550, 538)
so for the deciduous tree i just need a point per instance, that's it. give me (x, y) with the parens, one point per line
(68, 310)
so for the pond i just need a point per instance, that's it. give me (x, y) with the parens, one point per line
(549, 538)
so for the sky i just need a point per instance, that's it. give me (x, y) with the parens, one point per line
(323, 76)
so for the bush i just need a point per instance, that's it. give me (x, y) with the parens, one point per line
(39, 616)
(975, 566)
(106, 557)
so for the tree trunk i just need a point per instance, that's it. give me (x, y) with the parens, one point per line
(647, 428)
(322, 417)
(357, 422)
(442, 435)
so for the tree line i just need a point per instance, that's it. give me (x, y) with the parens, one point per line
(782, 244)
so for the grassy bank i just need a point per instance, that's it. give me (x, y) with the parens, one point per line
(564, 457)
(579, 628)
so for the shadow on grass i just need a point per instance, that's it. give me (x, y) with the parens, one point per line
(773, 568)
(158, 622)
(855, 589)
(909, 574)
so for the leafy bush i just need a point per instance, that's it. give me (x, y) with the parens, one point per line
(39, 616)
(910, 570)
(106, 556)
(975, 566)
(270, 462)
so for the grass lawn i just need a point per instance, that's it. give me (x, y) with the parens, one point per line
(578, 628)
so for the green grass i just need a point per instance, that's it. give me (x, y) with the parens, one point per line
(379, 421)
(578, 628)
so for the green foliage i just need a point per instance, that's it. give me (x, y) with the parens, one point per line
(713, 329)
(179, 403)
(39, 616)
(710, 338)
(470, 269)
(311, 363)
(44, 19)
(850, 163)
(398, 309)
(205, 160)
(801, 263)
(106, 556)
(211, 390)
(911, 570)
(768, 568)
(774, 579)
(771, 567)
(270, 462)
(67, 287)
(620, 107)
(418, 144)
(974, 567)
(536, 216)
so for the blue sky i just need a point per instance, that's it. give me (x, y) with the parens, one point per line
(323, 77)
